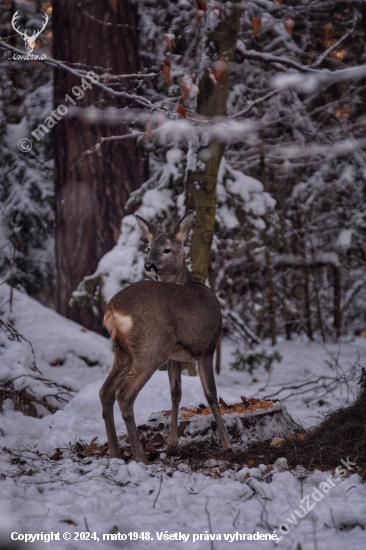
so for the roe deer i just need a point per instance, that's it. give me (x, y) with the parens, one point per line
(154, 322)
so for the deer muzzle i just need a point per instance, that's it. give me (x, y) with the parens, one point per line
(150, 267)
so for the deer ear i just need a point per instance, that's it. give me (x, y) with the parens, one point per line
(149, 229)
(182, 228)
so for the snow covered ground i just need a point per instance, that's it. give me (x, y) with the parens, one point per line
(38, 494)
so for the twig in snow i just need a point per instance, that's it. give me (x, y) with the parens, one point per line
(157, 496)
(209, 523)
(86, 525)
(15, 335)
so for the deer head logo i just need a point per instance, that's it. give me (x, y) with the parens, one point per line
(30, 41)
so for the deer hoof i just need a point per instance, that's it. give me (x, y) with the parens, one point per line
(172, 450)
(229, 450)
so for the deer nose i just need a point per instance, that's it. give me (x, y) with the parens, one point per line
(150, 267)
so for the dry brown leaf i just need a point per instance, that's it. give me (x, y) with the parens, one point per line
(148, 130)
(256, 24)
(58, 455)
(289, 24)
(250, 463)
(201, 5)
(329, 30)
(189, 87)
(166, 71)
(222, 402)
(170, 41)
(186, 90)
(182, 111)
(219, 67)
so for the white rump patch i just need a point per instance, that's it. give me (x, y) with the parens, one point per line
(114, 321)
(123, 322)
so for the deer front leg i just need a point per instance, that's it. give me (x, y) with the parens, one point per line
(174, 371)
(205, 369)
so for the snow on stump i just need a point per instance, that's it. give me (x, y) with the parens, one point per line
(247, 422)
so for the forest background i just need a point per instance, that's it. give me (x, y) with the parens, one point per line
(250, 113)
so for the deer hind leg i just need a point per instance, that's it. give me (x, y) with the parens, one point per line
(174, 371)
(140, 372)
(205, 369)
(107, 396)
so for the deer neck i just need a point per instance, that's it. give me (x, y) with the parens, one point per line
(182, 277)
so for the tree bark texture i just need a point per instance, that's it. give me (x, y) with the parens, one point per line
(307, 276)
(337, 301)
(211, 102)
(307, 304)
(91, 190)
(271, 298)
(270, 286)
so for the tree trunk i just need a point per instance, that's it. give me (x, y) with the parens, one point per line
(271, 298)
(337, 302)
(269, 271)
(318, 304)
(307, 276)
(211, 102)
(307, 304)
(91, 191)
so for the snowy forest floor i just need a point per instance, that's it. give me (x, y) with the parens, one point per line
(48, 485)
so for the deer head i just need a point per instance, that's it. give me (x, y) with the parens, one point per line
(166, 258)
(30, 41)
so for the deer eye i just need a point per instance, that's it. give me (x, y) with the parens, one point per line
(167, 251)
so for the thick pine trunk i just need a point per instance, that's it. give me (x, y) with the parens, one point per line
(211, 102)
(91, 190)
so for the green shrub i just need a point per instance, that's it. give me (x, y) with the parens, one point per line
(249, 362)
